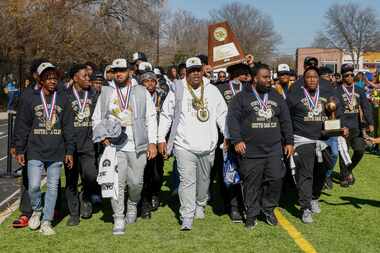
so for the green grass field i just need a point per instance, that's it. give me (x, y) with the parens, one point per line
(349, 222)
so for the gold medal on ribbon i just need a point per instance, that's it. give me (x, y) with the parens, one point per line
(203, 114)
(48, 125)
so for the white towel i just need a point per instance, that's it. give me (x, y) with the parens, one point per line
(108, 176)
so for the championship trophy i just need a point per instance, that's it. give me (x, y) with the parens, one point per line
(223, 47)
(332, 126)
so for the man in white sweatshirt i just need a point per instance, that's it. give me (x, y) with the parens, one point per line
(133, 107)
(193, 112)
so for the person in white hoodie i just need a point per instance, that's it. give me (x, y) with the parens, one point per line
(193, 112)
(133, 107)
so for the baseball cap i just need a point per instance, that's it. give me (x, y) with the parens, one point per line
(346, 68)
(44, 66)
(75, 69)
(311, 61)
(283, 69)
(149, 75)
(193, 63)
(119, 64)
(139, 56)
(145, 66)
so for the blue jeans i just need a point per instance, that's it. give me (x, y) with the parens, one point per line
(34, 175)
(333, 144)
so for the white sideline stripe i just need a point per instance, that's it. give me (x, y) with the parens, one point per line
(6, 124)
(7, 212)
(2, 137)
(5, 157)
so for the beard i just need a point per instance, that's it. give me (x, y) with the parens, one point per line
(262, 88)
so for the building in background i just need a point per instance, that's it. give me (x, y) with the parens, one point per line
(371, 61)
(329, 57)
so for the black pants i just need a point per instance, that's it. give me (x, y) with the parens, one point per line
(235, 197)
(25, 205)
(356, 141)
(84, 165)
(153, 178)
(262, 183)
(310, 175)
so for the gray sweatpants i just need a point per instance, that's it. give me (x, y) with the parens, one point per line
(131, 174)
(194, 175)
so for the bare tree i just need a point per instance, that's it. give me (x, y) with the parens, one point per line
(352, 28)
(186, 36)
(254, 29)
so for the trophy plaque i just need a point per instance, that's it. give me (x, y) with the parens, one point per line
(332, 126)
(223, 47)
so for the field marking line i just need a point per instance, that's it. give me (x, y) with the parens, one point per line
(302, 243)
(12, 208)
(6, 124)
(3, 158)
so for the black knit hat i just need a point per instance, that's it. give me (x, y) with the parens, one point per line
(76, 68)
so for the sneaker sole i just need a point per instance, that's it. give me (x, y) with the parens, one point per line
(118, 233)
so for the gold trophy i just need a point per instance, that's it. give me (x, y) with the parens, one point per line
(332, 126)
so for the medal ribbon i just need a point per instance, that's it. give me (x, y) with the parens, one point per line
(312, 103)
(350, 95)
(198, 100)
(46, 110)
(231, 84)
(124, 101)
(263, 102)
(81, 106)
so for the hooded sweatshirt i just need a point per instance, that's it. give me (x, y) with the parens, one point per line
(191, 134)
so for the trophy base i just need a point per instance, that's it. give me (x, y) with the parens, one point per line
(333, 132)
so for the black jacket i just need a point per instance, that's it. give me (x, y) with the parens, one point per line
(32, 137)
(263, 137)
(311, 127)
(352, 117)
(82, 127)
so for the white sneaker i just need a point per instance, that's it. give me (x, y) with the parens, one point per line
(200, 212)
(118, 226)
(315, 206)
(35, 221)
(46, 228)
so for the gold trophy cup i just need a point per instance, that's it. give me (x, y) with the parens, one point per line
(332, 126)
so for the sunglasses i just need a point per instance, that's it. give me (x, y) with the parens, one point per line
(347, 75)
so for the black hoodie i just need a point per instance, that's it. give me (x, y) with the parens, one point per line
(262, 137)
(311, 127)
(32, 137)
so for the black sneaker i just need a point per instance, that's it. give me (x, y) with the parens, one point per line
(146, 214)
(85, 209)
(351, 180)
(271, 219)
(344, 183)
(251, 223)
(236, 217)
(155, 203)
(329, 183)
(73, 221)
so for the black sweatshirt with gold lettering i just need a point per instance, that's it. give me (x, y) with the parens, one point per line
(263, 136)
(32, 135)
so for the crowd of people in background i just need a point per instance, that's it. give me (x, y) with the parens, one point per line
(253, 131)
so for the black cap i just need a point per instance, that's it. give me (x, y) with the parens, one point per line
(346, 68)
(203, 58)
(311, 68)
(76, 68)
(97, 75)
(311, 61)
(325, 71)
(238, 69)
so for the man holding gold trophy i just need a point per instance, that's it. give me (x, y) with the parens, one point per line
(315, 112)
